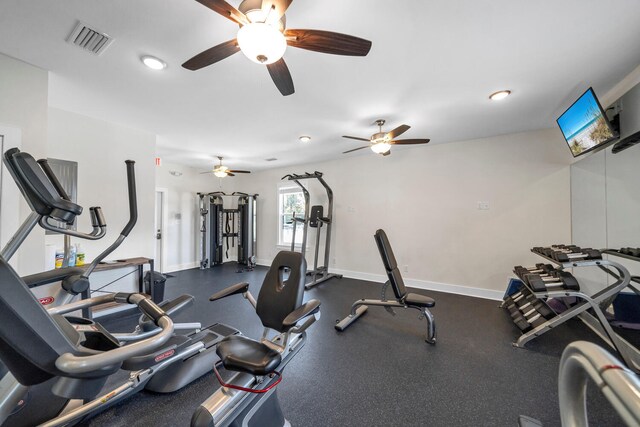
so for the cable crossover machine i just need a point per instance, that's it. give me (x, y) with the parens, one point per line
(314, 217)
(222, 228)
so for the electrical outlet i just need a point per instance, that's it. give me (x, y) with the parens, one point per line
(405, 269)
(483, 206)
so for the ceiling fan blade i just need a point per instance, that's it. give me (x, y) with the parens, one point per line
(355, 149)
(398, 131)
(328, 42)
(230, 174)
(356, 138)
(409, 141)
(281, 76)
(274, 9)
(226, 10)
(236, 171)
(213, 55)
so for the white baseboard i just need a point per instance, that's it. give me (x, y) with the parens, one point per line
(178, 267)
(426, 284)
(415, 283)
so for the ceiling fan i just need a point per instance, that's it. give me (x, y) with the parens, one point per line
(262, 37)
(221, 171)
(381, 142)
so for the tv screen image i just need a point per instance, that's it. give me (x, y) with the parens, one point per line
(584, 125)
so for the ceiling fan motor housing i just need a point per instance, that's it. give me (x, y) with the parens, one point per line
(253, 10)
(379, 137)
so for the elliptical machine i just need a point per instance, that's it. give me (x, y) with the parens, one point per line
(155, 358)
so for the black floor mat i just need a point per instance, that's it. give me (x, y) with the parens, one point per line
(380, 372)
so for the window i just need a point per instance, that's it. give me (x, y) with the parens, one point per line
(290, 201)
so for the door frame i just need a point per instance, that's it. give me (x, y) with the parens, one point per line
(163, 229)
(9, 192)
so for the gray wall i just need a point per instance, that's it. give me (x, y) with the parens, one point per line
(605, 194)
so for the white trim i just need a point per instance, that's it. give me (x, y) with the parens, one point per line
(163, 230)
(279, 191)
(180, 267)
(416, 283)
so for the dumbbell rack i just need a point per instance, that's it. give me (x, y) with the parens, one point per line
(597, 323)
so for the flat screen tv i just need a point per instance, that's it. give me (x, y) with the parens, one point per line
(585, 126)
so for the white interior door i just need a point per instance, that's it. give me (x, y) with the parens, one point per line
(9, 192)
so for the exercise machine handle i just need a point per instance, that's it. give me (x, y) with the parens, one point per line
(97, 217)
(133, 202)
(73, 364)
(133, 218)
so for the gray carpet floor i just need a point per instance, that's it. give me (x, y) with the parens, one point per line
(380, 371)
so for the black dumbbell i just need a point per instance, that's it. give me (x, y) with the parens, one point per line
(560, 280)
(533, 321)
(631, 252)
(586, 254)
(539, 268)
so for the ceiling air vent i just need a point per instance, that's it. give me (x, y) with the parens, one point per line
(89, 39)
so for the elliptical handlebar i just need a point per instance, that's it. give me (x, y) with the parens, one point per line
(133, 200)
(95, 234)
(133, 218)
(77, 364)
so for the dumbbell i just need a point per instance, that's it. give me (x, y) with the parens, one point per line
(539, 268)
(537, 306)
(631, 251)
(565, 246)
(531, 322)
(561, 280)
(586, 254)
(526, 302)
(522, 300)
(520, 293)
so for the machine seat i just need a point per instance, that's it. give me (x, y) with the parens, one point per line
(239, 353)
(419, 300)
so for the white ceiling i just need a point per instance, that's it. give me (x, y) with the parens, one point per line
(432, 65)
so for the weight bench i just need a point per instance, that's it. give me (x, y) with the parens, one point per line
(403, 299)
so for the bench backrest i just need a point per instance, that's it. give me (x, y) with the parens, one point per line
(390, 264)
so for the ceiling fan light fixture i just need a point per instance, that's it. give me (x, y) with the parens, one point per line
(501, 94)
(261, 43)
(380, 147)
(220, 171)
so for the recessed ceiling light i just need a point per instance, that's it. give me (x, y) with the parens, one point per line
(153, 62)
(305, 138)
(497, 96)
